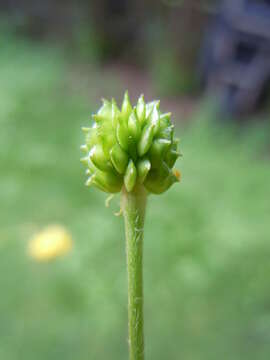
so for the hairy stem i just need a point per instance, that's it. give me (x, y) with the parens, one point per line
(133, 206)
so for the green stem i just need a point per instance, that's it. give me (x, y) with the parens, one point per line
(133, 206)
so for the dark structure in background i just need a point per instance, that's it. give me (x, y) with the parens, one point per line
(114, 25)
(235, 62)
(119, 27)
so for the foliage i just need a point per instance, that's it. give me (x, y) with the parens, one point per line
(169, 70)
(208, 240)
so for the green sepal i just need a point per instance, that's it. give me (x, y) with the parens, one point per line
(126, 106)
(171, 157)
(106, 181)
(164, 121)
(98, 158)
(115, 114)
(122, 133)
(166, 132)
(119, 158)
(173, 154)
(85, 160)
(158, 151)
(92, 181)
(85, 129)
(134, 128)
(132, 148)
(143, 168)
(84, 148)
(109, 181)
(91, 137)
(161, 179)
(141, 110)
(91, 167)
(149, 107)
(104, 112)
(130, 176)
(146, 139)
(154, 118)
(106, 137)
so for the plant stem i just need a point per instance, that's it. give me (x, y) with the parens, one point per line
(133, 206)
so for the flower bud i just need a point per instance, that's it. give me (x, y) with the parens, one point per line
(130, 146)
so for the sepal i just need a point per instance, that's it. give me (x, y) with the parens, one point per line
(130, 176)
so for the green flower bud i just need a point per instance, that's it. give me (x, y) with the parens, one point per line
(130, 146)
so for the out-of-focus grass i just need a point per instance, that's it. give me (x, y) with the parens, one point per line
(207, 241)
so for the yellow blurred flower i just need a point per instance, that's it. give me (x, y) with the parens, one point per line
(50, 243)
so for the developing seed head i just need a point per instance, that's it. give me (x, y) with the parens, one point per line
(131, 145)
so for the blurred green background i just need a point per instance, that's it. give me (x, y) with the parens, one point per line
(207, 241)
